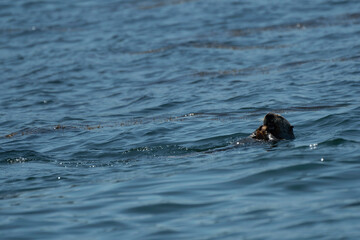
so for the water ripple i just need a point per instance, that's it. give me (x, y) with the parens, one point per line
(133, 118)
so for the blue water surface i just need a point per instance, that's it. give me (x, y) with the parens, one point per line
(130, 119)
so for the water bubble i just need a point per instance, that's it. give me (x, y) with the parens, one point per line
(17, 160)
(322, 159)
(313, 146)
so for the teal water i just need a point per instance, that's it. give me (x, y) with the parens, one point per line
(129, 119)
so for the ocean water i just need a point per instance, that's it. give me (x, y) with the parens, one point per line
(120, 119)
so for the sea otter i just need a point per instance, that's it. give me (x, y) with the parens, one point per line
(275, 127)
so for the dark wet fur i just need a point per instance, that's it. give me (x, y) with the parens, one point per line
(275, 127)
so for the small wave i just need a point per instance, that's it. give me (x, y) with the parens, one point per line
(211, 45)
(314, 23)
(158, 208)
(333, 120)
(338, 142)
(165, 3)
(278, 176)
(270, 68)
(157, 151)
(14, 157)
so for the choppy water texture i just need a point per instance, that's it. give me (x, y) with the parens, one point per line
(112, 113)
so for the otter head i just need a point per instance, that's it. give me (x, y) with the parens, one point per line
(278, 126)
(274, 127)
